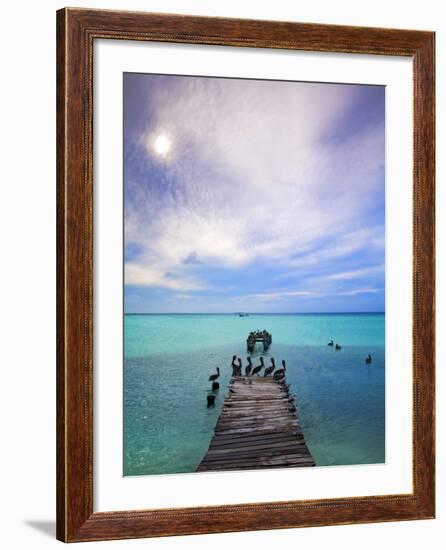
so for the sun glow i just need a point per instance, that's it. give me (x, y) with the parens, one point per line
(162, 145)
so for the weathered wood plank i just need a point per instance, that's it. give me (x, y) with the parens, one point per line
(248, 459)
(257, 428)
(260, 462)
(255, 453)
(274, 444)
(246, 439)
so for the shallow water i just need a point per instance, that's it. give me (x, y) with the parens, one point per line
(168, 359)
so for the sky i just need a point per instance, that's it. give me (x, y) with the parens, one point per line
(252, 195)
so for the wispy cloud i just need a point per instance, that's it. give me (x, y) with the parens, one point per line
(355, 274)
(192, 258)
(356, 291)
(325, 250)
(272, 296)
(142, 275)
(270, 181)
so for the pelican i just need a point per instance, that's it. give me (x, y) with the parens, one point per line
(257, 369)
(338, 347)
(214, 376)
(234, 365)
(248, 368)
(280, 374)
(368, 359)
(239, 367)
(330, 343)
(211, 400)
(270, 369)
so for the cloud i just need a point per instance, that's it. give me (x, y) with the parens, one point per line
(273, 296)
(142, 275)
(280, 295)
(356, 291)
(183, 296)
(355, 274)
(336, 246)
(254, 177)
(191, 258)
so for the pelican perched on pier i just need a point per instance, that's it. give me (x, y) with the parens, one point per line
(214, 376)
(257, 369)
(234, 365)
(368, 359)
(280, 374)
(248, 368)
(239, 367)
(270, 369)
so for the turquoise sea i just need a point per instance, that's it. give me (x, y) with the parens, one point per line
(168, 359)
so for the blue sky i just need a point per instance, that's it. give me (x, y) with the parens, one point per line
(248, 195)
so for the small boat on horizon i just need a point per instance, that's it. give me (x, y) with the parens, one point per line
(243, 314)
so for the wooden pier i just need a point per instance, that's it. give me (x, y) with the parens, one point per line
(257, 428)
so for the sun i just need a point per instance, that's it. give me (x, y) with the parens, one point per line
(162, 145)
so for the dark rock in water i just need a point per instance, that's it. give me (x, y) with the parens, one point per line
(215, 386)
(211, 400)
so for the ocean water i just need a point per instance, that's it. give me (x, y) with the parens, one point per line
(168, 359)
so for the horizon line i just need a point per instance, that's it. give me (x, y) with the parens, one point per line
(252, 313)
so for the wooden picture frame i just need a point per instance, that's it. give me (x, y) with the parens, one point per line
(76, 31)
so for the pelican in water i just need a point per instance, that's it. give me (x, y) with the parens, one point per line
(248, 368)
(211, 400)
(270, 369)
(368, 359)
(330, 343)
(257, 369)
(214, 376)
(338, 347)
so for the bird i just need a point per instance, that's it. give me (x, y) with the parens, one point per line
(239, 367)
(211, 400)
(338, 347)
(280, 374)
(214, 376)
(270, 369)
(234, 365)
(248, 368)
(257, 369)
(368, 359)
(330, 343)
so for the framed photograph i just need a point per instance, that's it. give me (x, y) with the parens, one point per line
(245, 275)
